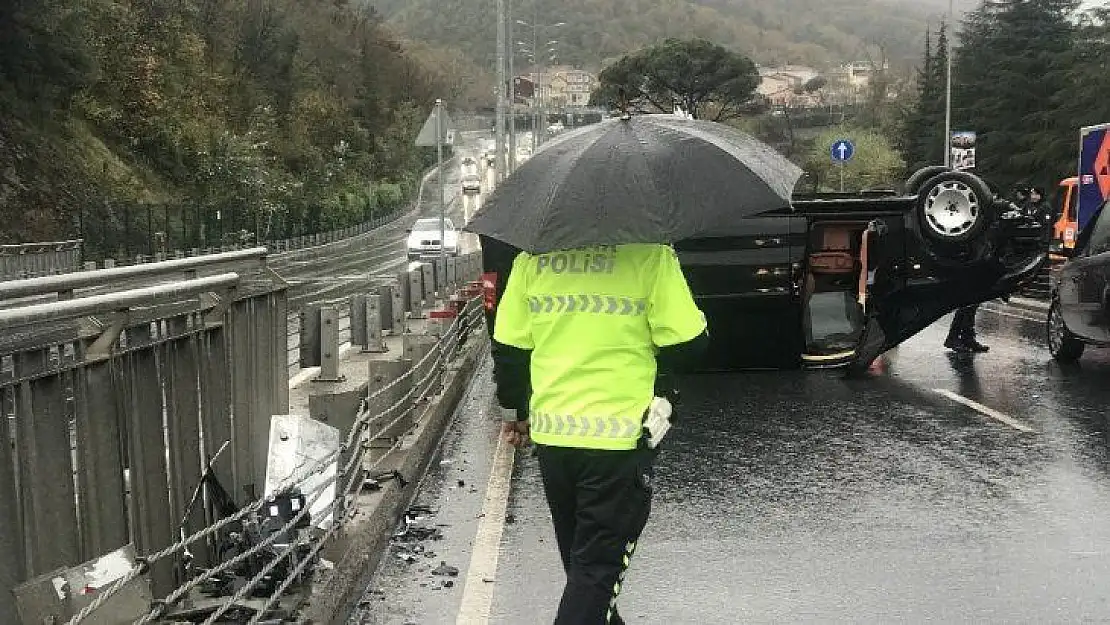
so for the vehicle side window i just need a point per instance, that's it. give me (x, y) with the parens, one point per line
(1100, 234)
(1059, 203)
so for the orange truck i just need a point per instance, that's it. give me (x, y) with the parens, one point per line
(1078, 198)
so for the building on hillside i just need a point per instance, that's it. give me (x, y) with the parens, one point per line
(779, 86)
(561, 86)
(855, 75)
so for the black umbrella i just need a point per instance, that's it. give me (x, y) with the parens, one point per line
(648, 179)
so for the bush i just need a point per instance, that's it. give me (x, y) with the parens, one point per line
(389, 197)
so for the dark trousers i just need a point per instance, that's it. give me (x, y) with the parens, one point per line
(963, 324)
(600, 502)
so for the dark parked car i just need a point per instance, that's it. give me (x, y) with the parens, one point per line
(1080, 311)
(838, 279)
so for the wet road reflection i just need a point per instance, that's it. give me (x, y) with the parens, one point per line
(804, 497)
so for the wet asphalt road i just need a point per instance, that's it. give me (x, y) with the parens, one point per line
(803, 497)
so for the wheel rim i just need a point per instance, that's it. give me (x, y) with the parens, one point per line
(1056, 329)
(951, 208)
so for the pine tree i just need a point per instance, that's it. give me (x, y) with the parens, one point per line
(1088, 102)
(1010, 69)
(923, 126)
(935, 101)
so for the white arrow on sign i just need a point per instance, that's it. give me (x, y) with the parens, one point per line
(842, 150)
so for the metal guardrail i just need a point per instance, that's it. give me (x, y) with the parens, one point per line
(113, 302)
(287, 551)
(69, 282)
(111, 423)
(37, 259)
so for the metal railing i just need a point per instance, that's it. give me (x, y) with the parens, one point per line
(148, 390)
(28, 260)
(112, 423)
(286, 554)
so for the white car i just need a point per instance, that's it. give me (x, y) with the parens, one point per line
(423, 241)
(471, 183)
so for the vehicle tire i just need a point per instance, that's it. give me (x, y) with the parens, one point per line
(953, 208)
(923, 175)
(1064, 346)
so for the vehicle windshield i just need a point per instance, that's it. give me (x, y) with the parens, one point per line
(431, 225)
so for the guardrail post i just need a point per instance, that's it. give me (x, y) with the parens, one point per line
(398, 308)
(90, 265)
(440, 268)
(428, 283)
(474, 270)
(401, 296)
(109, 263)
(387, 304)
(416, 347)
(372, 313)
(310, 336)
(452, 273)
(380, 443)
(416, 293)
(358, 321)
(329, 346)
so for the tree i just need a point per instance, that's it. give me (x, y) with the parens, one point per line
(706, 80)
(921, 140)
(876, 163)
(1010, 69)
(1086, 103)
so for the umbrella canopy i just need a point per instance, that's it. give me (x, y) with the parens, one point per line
(648, 179)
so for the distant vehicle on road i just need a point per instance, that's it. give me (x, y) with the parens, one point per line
(471, 183)
(1079, 313)
(423, 240)
(840, 278)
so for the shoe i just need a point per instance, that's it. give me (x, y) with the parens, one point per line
(957, 345)
(977, 347)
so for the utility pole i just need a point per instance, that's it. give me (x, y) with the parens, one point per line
(948, 88)
(442, 193)
(500, 133)
(536, 86)
(512, 85)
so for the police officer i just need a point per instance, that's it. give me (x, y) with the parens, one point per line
(580, 336)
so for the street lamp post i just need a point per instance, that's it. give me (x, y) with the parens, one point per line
(538, 99)
(948, 89)
(500, 114)
(512, 88)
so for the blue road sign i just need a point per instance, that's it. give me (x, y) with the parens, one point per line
(842, 150)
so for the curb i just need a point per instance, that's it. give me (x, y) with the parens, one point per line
(364, 541)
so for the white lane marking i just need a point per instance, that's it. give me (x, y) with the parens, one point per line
(1010, 314)
(985, 410)
(477, 598)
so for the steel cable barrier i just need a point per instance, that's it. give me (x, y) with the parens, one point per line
(303, 541)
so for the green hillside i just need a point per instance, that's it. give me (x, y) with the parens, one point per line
(813, 32)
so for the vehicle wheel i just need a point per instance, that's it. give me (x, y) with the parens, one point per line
(954, 207)
(1062, 344)
(923, 175)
